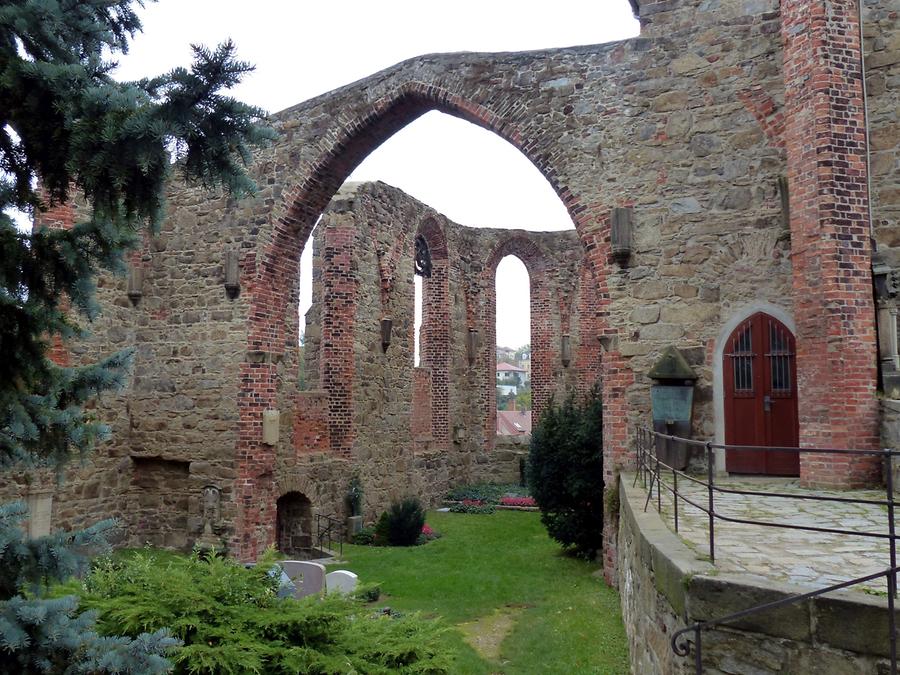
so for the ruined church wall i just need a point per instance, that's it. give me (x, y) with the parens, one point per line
(684, 124)
(395, 448)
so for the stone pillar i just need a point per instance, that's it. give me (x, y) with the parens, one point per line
(830, 239)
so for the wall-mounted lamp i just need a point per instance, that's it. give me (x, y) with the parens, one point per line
(386, 327)
(621, 233)
(566, 350)
(472, 345)
(232, 274)
(135, 285)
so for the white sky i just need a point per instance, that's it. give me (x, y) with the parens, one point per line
(302, 49)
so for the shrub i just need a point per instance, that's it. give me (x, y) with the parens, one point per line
(490, 493)
(473, 506)
(231, 621)
(365, 537)
(401, 524)
(566, 473)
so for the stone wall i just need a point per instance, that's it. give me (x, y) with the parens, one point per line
(664, 587)
(881, 33)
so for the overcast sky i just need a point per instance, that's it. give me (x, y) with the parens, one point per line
(302, 49)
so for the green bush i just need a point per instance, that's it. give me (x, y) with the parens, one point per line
(401, 524)
(365, 537)
(566, 473)
(486, 492)
(471, 507)
(230, 620)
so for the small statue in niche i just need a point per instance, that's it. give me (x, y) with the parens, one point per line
(212, 497)
(210, 507)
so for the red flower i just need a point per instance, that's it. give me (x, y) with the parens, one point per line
(426, 530)
(517, 501)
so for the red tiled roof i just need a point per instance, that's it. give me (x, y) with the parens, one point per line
(503, 366)
(513, 422)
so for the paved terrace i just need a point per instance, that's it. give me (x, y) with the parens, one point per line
(808, 559)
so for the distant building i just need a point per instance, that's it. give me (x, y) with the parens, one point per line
(505, 354)
(513, 422)
(510, 377)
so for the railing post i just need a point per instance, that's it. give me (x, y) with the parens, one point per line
(710, 473)
(892, 574)
(658, 486)
(698, 652)
(889, 489)
(675, 495)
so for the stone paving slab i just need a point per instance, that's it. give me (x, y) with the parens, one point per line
(808, 559)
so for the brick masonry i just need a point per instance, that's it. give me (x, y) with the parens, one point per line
(693, 124)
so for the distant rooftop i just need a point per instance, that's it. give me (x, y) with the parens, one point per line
(504, 367)
(513, 422)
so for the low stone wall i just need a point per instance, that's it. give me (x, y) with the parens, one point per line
(503, 463)
(664, 587)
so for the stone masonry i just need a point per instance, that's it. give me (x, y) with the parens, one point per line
(734, 130)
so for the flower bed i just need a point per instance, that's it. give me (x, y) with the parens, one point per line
(518, 501)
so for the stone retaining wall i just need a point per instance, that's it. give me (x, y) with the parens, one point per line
(664, 587)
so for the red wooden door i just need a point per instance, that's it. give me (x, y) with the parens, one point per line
(761, 397)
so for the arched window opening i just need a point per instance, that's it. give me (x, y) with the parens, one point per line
(513, 347)
(304, 305)
(417, 321)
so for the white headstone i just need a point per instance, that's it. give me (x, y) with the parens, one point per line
(308, 577)
(341, 581)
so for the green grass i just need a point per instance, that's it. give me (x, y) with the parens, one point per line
(568, 620)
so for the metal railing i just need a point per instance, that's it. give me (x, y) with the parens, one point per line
(329, 529)
(652, 470)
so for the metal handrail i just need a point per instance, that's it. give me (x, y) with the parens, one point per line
(327, 532)
(650, 466)
(685, 647)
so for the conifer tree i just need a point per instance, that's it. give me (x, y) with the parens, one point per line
(68, 128)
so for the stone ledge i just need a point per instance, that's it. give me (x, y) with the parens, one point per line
(697, 592)
(673, 563)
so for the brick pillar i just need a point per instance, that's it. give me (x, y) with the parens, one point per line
(545, 345)
(58, 217)
(830, 238)
(435, 345)
(337, 367)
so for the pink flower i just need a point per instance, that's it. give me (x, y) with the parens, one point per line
(426, 530)
(473, 502)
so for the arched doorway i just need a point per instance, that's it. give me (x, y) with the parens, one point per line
(760, 387)
(293, 524)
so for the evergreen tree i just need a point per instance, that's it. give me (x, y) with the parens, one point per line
(68, 128)
(565, 472)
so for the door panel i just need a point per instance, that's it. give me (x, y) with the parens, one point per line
(761, 397)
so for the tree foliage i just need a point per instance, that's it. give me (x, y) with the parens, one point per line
(566, 473)
(71, 133)
(230, 620)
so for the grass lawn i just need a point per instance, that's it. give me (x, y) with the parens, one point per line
(502, 580)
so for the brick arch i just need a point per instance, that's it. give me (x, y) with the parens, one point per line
(544, 348)
(436, 329)
(338, 148)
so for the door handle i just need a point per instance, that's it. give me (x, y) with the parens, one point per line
(767, 403)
